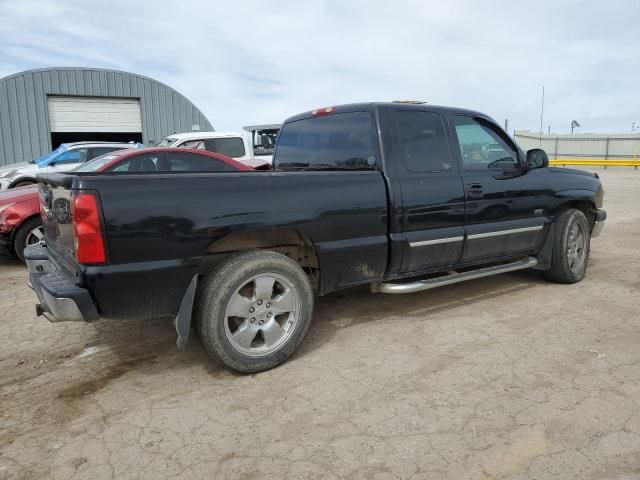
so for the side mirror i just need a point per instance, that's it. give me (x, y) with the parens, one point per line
(537, 158)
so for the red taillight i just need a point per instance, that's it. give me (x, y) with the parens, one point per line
(323, 111)
(87, 232)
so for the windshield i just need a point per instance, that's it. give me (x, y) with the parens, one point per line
(168, 141)
(44, 160)
(95, 164)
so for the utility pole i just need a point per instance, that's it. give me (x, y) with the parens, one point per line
(549, 130)
(506, 124)
(541, 114)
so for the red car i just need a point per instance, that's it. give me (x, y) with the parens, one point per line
(20, 223)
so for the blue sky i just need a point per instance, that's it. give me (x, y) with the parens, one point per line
(247, 62)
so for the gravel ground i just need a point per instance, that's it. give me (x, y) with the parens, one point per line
(506, 377)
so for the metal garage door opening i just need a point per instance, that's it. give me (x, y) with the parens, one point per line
(74, 119)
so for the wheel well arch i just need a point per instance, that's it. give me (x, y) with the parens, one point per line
(22, 179)
(585, 206)
(290, 242)
(26, 219)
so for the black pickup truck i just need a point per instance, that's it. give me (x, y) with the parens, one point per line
(403, 197)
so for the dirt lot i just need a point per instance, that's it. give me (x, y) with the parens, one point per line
(507, 377)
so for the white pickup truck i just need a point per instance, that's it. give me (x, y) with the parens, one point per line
(251, 147)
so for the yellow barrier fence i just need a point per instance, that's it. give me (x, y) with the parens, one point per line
(597, 162)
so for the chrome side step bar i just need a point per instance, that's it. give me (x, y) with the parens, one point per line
(453, 277)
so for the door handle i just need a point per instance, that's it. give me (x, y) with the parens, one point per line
(474, 190)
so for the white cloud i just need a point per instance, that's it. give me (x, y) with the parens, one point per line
(261, 61)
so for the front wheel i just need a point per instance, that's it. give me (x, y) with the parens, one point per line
(254, 310)
(571, 244)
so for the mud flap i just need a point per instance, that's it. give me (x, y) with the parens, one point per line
(545, 256)
(182, 321)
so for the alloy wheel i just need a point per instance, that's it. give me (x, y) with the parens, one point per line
(262, 314)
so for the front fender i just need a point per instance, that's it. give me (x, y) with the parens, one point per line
(565, 197)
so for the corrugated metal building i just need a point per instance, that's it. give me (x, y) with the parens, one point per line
(582, 145)
(39, 109)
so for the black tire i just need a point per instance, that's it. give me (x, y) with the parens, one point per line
(562, 269)
(20, 238)
(228, 280)
(24, 183)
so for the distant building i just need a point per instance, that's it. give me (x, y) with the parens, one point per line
(40, 109)
(621, 146)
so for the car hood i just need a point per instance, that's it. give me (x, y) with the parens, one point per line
(19, 194)
(573, 171)
(9, 169)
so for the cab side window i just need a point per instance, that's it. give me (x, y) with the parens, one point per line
(423, 141)
(481, 147)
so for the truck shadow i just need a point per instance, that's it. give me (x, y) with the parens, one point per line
(151, 346)
(353, 307)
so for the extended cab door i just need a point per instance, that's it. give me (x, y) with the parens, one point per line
(432, 193)
(505, 202)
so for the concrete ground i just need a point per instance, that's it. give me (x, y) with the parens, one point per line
(507, 377)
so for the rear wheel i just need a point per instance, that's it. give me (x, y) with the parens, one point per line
(254, 310)
(29, 233)
(571, 246)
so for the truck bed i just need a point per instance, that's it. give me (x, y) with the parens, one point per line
(160, 228)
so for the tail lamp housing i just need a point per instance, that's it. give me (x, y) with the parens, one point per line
(87, 228)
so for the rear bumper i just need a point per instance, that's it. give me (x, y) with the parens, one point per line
(60, 298)
(598, 226)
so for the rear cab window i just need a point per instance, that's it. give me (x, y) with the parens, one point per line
(340, 141)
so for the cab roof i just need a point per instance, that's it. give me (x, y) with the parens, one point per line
(371, 106)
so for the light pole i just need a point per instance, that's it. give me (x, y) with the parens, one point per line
(574, 124)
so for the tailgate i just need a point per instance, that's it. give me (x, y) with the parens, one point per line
(55, 196)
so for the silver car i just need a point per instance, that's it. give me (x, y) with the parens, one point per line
(62, 159)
